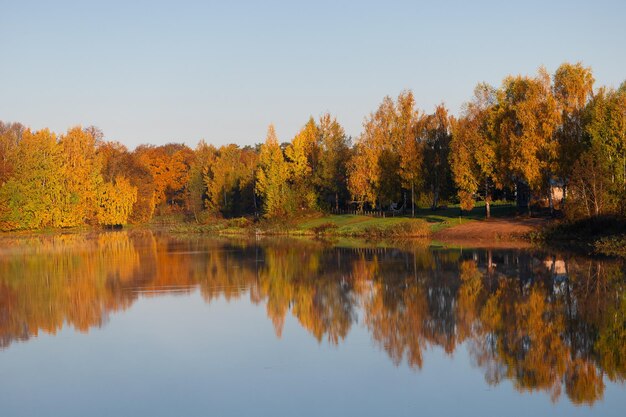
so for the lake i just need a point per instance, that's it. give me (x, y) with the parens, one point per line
(143, 323)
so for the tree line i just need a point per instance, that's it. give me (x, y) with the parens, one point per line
(525, 139)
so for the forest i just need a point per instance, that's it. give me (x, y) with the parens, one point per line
(520, 141)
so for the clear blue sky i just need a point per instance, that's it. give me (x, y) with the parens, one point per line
(158, 72)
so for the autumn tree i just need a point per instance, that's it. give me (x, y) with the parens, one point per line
(117, 161)
(410, 148)
(33, 197)
(272, 178)
(302, 154)
(525, 119)
(10, 136)
(115, 202)
(169, 166)
(375, 164)
(229, 180)
(473, 151)
(573, 88)
(435, 133)
(81, 179)
(334, 153)
(196, 188)
(591, 186)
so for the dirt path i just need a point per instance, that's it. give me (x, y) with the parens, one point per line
(493, 233)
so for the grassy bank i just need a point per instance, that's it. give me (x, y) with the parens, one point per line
(422, 225)
(333, 225)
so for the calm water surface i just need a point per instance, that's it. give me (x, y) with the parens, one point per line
(131, 324)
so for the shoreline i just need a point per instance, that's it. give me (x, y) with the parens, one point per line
(516, 232)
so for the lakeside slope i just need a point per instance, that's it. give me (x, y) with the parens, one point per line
(492, 233)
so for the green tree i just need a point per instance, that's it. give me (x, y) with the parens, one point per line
(229, 181)
(334, 153)
(196, 187)
(436, 135)
(598, 182)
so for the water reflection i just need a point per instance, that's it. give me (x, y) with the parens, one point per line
(546, 321)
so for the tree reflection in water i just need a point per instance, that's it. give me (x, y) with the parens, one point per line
(545, 321)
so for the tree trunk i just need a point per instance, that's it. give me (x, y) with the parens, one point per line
(435, 198)
(404, 204)
(550, 200)
(412, 200)
(487, 200)
(337, 201)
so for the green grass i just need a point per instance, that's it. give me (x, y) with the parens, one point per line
(422, 225)
(443, 218)
(356, 225)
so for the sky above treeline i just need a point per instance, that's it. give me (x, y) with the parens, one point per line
(158, 72)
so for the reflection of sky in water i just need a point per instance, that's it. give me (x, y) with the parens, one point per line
(180, 356)
(180, 348)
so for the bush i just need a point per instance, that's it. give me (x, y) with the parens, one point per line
(611, 245)
(424, 200)
(240, 222)
(398, 230)
(324, 228)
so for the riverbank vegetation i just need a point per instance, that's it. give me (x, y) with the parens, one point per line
(541, 140)
(603, 235)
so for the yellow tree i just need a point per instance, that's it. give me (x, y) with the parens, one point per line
(473, 151)
(229, 181)
(115, 202)
(10, 136)
(524, 123)
(363, 173)
(33, 197)
(409, 146)
(117, 161)
(272, 178)
(81, 167)
(373, 169)
(572, 87)
(302, 155)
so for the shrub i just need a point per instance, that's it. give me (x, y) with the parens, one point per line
(324, 228)
(240, 222)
